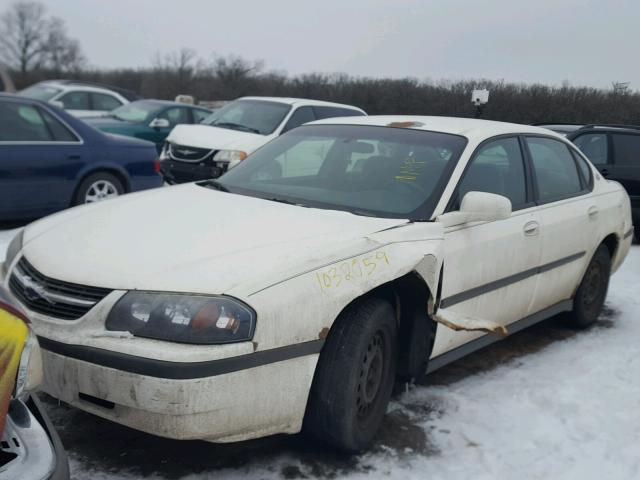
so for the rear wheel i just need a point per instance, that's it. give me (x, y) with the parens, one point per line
(354, 377)
(97, 187)
(590, 296)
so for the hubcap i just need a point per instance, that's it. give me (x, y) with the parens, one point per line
(371, 374)
(100, 190)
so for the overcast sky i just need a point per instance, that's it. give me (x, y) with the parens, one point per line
(585, 42)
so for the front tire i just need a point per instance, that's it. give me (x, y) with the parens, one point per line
(354, 377)
(590, 296)
(97, 187)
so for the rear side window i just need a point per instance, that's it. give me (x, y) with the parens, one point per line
(554, 168)
(498, 167)
(331, 112)
(22, 123)
(626, 148)
(60, 132)
(105, 102)
(200, 115)
(595, 146)
(75, 101)
(301, 116)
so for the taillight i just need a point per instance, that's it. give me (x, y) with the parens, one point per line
(156, 166)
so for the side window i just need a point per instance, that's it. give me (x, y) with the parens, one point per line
(75, 101)
(332, 112)
(497, 168)
(58, 130)
(300, 116)
(22, 123)
(175, 115)
(199, 115)
(595, 146)
(105, 102)
(627, 149)
(555, 169)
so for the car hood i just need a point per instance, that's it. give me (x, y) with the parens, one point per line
(194, 239)
(216, 138)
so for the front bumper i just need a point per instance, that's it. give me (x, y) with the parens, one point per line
(30, 436)
(175, 171)
(220, 407)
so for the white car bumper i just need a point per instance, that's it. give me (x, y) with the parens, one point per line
(243, 404)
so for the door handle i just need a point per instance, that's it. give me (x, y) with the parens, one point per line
(593, 212)
(531, 228)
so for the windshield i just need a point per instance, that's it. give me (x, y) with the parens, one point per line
(136, 112)
(255, 116)
(367, 170)
(40, 92)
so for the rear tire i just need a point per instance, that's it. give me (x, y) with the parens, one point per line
(97, 187)
(590, 296)
(354, 377)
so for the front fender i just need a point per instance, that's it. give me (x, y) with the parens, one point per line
(303, 308)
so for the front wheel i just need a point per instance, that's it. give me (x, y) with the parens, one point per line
(592, 291)
(354, 377)
(97, 187)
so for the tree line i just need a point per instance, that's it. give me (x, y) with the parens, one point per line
(36, 47)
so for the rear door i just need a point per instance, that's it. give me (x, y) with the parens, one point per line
(568, 218)
(489, 267)
(38, 158)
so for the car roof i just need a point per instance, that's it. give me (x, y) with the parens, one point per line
(169, 103)
(467, 127)
(90, 87)
(305, 101)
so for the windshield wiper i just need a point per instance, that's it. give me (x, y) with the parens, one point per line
(286, 202)
(235, 126)
(217, 185)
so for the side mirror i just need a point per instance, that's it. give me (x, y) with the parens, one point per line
(478, 207)
(159, 123)
(57, 103)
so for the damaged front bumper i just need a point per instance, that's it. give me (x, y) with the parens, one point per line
(31, 448)
(223, 400)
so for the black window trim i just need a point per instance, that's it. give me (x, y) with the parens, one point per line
(528, 174)
(37, 106)
(538, 202)
(286, 128)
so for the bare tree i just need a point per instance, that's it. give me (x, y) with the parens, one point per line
(29, 39)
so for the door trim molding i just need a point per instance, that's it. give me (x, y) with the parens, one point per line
(506, 281)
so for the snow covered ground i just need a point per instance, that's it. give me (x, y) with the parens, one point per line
(546, 403)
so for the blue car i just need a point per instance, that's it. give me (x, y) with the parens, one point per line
(50, 160)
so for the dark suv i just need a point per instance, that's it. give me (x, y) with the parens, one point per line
(615, 152)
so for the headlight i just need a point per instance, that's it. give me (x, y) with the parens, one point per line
(29, 375)
(13, 250)
(181, 318)
(232, 157)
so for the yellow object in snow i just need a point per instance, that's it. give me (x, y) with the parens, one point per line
(13, 337)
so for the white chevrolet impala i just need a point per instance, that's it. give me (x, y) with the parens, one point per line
(295, 290)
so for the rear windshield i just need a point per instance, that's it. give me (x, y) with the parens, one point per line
(377, 171)
(254, 116)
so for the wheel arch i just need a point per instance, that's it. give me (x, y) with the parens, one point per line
(409, 295)
(119, 173)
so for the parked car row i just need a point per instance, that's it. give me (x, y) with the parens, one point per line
(293, 292)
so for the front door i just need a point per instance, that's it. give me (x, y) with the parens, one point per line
(489, 267)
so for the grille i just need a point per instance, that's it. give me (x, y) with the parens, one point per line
(54, 298)
(188, 154)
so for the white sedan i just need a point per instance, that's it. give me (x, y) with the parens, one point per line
(296, 289)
